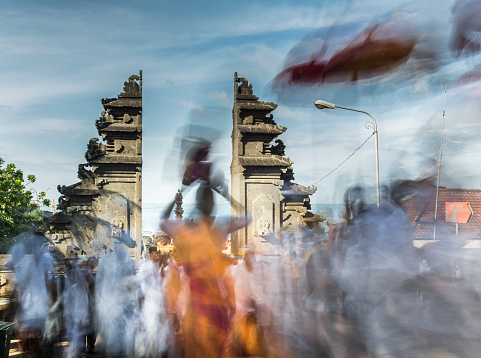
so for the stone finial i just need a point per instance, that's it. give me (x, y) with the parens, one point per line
(133, 86)
(94, 150)
(179, 211)
(243, 91)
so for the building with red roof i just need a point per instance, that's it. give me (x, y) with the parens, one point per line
(420, 209)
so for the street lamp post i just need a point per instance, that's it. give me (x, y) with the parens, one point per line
(323, 104)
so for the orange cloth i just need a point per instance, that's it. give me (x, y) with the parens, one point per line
(206, 325)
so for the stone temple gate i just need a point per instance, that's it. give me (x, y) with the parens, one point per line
(105, 206)
(261, 175)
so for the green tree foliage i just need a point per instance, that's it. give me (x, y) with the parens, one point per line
(18, 213)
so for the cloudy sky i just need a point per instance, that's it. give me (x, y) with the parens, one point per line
(59, 58)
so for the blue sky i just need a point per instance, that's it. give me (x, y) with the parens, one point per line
(59, 58)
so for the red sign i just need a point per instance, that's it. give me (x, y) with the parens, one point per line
(458, 212)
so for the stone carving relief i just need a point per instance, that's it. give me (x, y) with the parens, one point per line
(269, 119)
(84, 173)
(104, 120)
(94, 150)
(118, 147)
(279, 148)
(304, 190)
(288, 175)
(117, 226)
(63, 203)
(105, 116)
(127, 118)
(263, 227)
(102, 183)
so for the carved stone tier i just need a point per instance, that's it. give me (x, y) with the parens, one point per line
(314, 218)
(262, 128)
(114, 127)
(120, 159)
(60, 218)
(296, 189)
(114, 103)
(75, 191)
(270, 161)
(257, 106)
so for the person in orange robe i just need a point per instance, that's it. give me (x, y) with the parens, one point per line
(211, 302)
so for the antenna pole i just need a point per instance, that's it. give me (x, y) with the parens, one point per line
(439, 163)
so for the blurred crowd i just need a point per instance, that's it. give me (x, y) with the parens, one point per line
(366, 291)
(363, 290)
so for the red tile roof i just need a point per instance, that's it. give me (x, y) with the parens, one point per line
(420, 210)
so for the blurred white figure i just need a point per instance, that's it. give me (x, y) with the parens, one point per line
(114, 287)
(247, 334)
(32, 266)
(154, 336)
(78, 321)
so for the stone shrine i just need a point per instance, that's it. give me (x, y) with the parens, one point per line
(105, 206)
(261, 176)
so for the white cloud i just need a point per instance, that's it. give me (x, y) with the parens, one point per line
(44, 127)
(188, 104)
(221, 97)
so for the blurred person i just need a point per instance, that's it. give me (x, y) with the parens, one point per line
(153, 256)
(379, 304)
(78, 322)
(296, 275)
(175, 287)
(91, 336)
(343, 235)
(211, 302)
(32, 265)
(115, 299)
(163, 264)
(54, 322)
(319, 287)
(246, 338)
(153, 336)
(451, 315)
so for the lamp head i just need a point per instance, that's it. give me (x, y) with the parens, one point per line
(323, 104)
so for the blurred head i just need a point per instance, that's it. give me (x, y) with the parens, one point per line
(354, 202)
(92, 262)
(249, 257)
(199, 152)
(153, 253)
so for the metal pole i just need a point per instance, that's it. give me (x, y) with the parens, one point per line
(53, 200)
(38, 201)
(376, 149)
(377, 164)
(439, 165)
